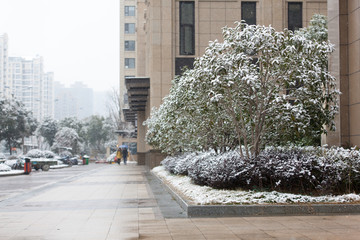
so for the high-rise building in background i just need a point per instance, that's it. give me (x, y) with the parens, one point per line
(4, 88)
(24, 79)
(128, 52)
(29, 84)
(170, 34)
(101, 100)
(74, 101)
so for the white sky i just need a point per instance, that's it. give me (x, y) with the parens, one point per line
(78, 39)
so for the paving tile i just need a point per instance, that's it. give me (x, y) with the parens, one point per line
(290, 234)
(253, 236)
(117, 203)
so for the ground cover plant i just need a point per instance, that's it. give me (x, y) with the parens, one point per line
(304, 170)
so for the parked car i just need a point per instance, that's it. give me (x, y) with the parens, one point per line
(66, 160)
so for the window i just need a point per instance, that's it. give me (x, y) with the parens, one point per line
(129, 28)
(180, 63)
(129, 45)
(294, 16)
(248, 12)
(129, 11)
(129, 62)
(187, 28)
(126, 98)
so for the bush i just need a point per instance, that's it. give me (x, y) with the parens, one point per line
(35, 153)
(294, 169)
(218, 171)
(49, 154)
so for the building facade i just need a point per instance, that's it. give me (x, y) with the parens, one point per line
(128, 51)
(170, 34)
(344, 32)
(74, 101)
(29, 84)
(4, 58)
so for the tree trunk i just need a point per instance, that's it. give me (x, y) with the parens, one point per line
(9, 142)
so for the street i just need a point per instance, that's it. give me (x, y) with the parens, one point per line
(15, 185)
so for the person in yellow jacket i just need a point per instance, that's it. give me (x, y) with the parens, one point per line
(118, 156)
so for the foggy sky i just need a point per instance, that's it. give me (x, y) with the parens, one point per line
(79, 39)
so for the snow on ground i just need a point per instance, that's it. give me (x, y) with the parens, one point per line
(203, 195)
(11, 172)
(58, 166)
(4, 168)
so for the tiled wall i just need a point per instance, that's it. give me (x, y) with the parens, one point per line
(354, 70)
(344, 32)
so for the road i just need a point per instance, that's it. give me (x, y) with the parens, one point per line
(38, 180)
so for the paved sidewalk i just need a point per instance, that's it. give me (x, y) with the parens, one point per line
(117, 202)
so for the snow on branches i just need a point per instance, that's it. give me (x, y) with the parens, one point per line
(258, 86)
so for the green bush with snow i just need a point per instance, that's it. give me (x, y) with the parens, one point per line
(316, 171)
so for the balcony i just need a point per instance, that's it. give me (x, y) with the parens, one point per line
(138, 91)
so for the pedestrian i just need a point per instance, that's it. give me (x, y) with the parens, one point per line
(125, 154)
(118, 155)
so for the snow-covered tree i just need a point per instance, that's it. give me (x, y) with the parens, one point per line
(66, 138)
(16, 122)
(98, 131)
(74, 123)
(265, 86)
(47, 129)
(186, 122)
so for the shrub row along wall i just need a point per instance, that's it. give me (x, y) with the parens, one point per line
(309, 170)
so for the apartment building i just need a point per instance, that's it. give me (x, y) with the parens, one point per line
(128, 52)
(4, 88)
(32, 86)
(170, 34)
(74, 101)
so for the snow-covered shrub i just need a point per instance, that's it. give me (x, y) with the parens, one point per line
(4, 168)
(218, 171)
(111, 157)
(11, 163)
(35, 153)
(49, 154)
(184, 163)
(170, 163)
(340, 168)
(180, 164)
(286, 169)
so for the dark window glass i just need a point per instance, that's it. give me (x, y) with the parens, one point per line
(248, 12)
(180, 63)
(130, 45)
(129, 10)
(294, 16)
(126, 98)
(129, 62)
(187, 28)
(129, 28)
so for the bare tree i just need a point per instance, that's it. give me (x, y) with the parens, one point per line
(114, 110)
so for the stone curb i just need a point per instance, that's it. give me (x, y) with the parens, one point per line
(260, 210)
(12, 174)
